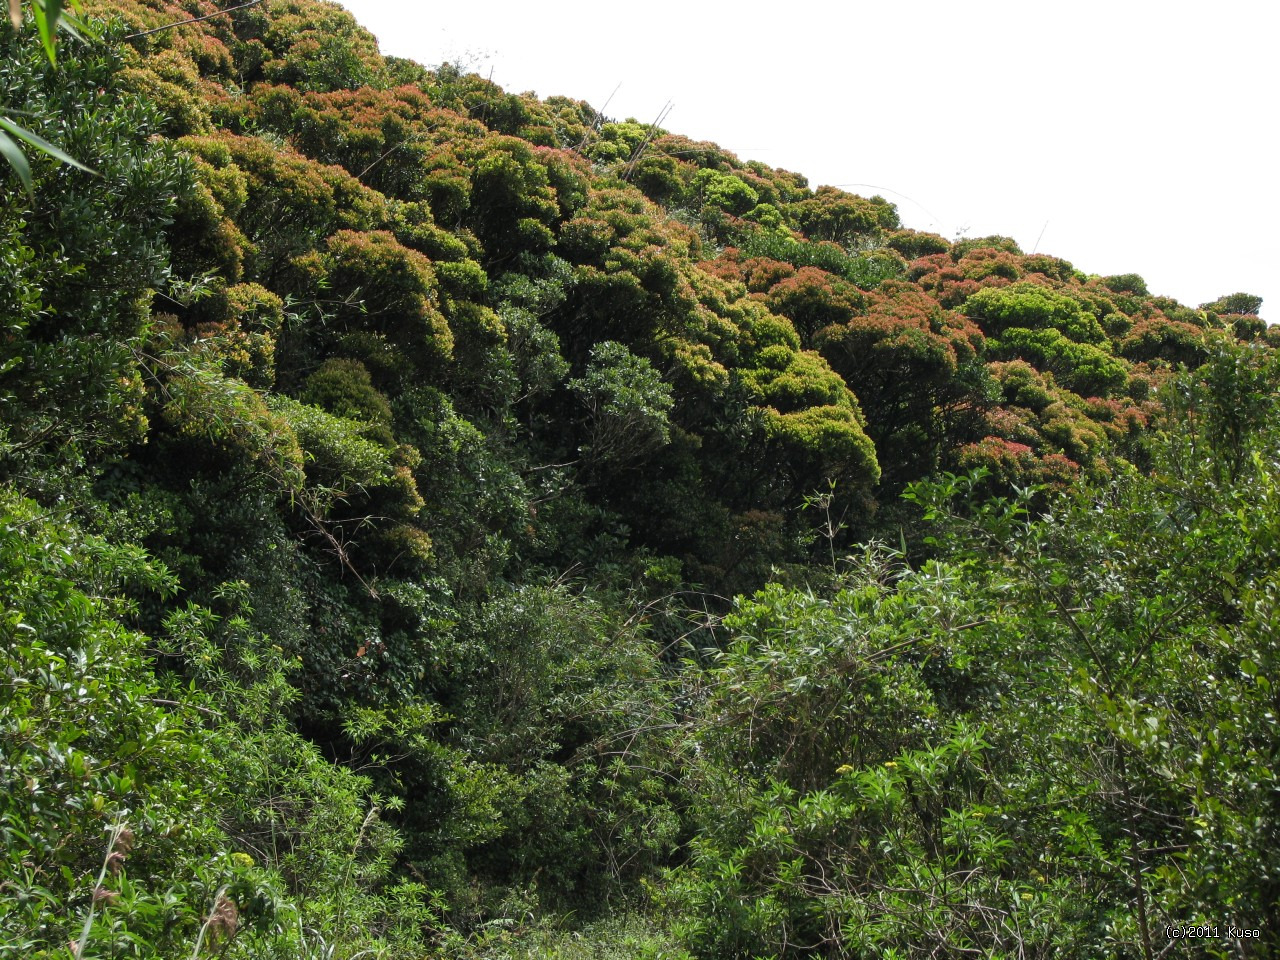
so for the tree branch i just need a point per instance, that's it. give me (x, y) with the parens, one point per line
(182, 23)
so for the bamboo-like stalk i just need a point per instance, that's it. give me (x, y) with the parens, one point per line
(112, 856)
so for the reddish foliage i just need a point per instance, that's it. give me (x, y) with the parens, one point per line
(810, 298)
(1157, 338)
(1013, 463)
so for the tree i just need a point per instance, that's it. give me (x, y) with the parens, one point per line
(628, 404)
(1235, 303)
(50, 17)
(81, 265)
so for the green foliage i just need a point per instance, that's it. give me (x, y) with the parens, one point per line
(804, 685)
(894, 848)
(458, 418)
(963, 247)
(1126, 283)
(617, 141)
(197, 401)
(1056, 783)
(282, 204)
(1088, 370)
(825, 441)
(1033, 307)
(338, 454)
(812, 299)
(839, 814)
(535, 350)
(629, 937)
(1173, 343)
(513, 201)
(790, 380)
(49, 18)
(843, 218)
(628, 406)
(862, 270)
(314, 46)
(396, 291)
(1236, 303)
(551, 698)
(101, 778)
(476, 502)
(916, 369)
(725, 191)
(345, 389)
(912, 244)
(1229, 399)
(81, 259)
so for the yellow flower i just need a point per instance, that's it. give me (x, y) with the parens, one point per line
(843, 769)
(890, 764)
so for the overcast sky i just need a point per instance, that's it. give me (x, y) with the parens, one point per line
(1126, 137)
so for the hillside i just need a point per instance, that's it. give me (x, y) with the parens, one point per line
(442, 522)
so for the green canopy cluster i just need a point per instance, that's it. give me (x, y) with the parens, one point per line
(433, 524)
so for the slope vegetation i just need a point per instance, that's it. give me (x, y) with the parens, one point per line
(432, 522)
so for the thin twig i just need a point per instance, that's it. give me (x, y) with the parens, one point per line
(182, 23)
(650, 136)
(208, 711)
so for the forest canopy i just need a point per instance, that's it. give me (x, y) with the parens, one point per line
(440, 522)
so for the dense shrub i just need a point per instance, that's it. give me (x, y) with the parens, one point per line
(505, 468)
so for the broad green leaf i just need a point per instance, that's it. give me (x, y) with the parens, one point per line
(17, 159)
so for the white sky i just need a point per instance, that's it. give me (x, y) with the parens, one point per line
(1140, 137)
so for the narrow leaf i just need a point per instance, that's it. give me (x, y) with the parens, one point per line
(74, 22)
(43, 145)
(46, 30)
(47, 15)
(74, 27)
(17, 159)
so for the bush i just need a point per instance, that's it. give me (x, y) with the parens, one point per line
(628, 406)
(99, 777)
(1033, 307)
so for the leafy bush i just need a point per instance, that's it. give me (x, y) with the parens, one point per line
(1033, 307)
(110, 801)
(725, 191)
(80, 256)
(843, 218)
(1084, 368)
(862, 270)
(627, 403)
